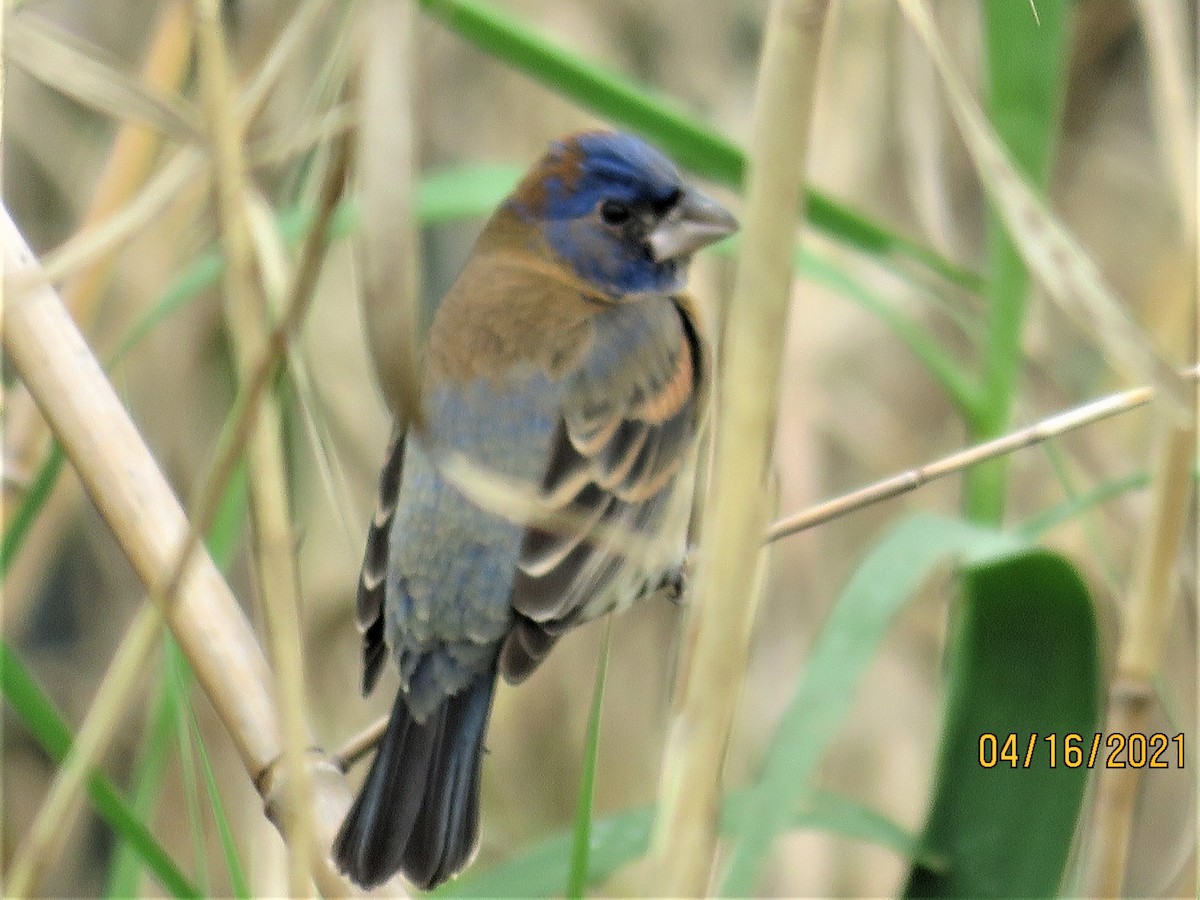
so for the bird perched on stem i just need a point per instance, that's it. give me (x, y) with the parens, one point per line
(565, 358)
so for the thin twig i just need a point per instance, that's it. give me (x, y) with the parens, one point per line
(911, 479)
(360, 745)
(721, 617)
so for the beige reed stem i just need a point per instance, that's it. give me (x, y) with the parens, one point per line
(721, 615)
(246, 313)
(119, 473)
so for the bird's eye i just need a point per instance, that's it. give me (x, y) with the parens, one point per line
(614, 212)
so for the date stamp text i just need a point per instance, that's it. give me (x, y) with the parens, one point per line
(1075, 751)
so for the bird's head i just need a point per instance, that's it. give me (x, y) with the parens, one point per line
(618, 213)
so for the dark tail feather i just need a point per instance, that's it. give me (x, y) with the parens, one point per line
(418, 811)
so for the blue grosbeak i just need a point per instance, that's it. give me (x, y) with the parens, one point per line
(567, 357)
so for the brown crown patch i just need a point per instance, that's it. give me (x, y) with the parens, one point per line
(563, 162)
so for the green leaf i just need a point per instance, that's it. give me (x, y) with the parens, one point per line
(48, 728)
(1023, 661)
(470, 192)
(690, 143)
(879, 588)
(1026, 72)
(577, 879)
(620, 839)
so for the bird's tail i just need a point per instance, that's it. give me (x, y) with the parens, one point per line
(418, 811)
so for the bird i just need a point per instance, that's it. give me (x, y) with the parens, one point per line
(566, 357)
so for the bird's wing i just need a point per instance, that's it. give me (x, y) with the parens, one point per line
(629, 416)
(372, 579)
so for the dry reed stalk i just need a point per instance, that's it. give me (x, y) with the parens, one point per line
(1153, 587)
(183, 168)
(385, 167)
(54, 362)
(1173, 96)
(133, 153)
(1132, 698)
(119, 473)
(246, 318)
(721, 615)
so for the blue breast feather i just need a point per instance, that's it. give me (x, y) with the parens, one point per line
(452, 564)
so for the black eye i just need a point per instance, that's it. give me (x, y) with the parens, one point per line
(614, 212)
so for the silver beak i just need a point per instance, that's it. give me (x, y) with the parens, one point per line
(694, 222)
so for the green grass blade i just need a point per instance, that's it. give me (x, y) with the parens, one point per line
(126, 870)
(181, 675)
(690, 143)
(221, 542)
(230, 519)
(1037, 525)
(31, 506)
(944, 369)
(879, 588)
(470, 192)
(623, 838)
(577, 879)
(44, 721)
(178, 685)
(1026, 71)
(1024, 661)
(848, 819)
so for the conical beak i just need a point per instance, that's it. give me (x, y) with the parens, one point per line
(694, 222)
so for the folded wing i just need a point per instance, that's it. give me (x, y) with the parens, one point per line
(629, 416)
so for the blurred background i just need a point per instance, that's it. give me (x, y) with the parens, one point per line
(857, 406)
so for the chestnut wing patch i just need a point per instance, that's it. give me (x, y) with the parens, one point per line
(629, 415)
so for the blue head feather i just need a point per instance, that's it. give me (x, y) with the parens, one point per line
(563, 196)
